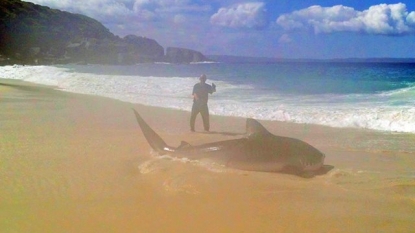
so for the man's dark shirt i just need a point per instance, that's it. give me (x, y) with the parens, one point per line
(202, 91)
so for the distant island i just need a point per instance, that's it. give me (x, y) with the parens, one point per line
(34, 34)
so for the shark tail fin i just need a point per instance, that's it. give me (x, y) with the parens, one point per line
(254, 127)
(155, 141)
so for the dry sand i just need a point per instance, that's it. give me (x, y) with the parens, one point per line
(77, 163)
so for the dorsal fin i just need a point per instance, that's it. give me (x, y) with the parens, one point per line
(254, 127)
(184, 144)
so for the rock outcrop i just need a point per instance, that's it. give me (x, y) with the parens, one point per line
(182, 55)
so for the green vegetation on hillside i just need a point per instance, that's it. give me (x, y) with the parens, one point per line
(25, 25)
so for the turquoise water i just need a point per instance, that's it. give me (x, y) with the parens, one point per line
(376, 96)
(286, 78)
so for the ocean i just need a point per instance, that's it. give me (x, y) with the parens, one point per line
(377, 96)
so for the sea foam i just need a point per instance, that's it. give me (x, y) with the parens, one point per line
(386, 111)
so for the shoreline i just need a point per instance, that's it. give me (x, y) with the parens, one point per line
(371, 116)
(79, 163)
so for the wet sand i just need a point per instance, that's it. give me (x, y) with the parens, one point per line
(78, 163)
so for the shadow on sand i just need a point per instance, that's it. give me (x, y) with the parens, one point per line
(308, 174)
(222, 133)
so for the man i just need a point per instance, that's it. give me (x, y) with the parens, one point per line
(200, 94)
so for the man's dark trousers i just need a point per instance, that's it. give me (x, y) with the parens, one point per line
(204, 111)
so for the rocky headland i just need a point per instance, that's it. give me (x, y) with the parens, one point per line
(34, 34)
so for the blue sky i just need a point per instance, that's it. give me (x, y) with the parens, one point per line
(278, 28)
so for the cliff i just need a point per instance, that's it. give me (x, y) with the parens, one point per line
(29, 31)
(34, 34)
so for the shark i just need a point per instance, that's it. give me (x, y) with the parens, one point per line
(258, 150)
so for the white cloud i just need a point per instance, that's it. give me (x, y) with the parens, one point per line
(118, 11)
(393, 19)
(170, 6)
(102, 10)
(249, 15)
(179, 19)
(411, 18)
(285, 39)
(162, 3)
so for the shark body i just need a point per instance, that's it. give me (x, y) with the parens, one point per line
(259, 150)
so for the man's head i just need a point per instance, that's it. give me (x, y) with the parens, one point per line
(202, 78)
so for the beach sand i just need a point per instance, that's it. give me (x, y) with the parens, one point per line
(78, 163)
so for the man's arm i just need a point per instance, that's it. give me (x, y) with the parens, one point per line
(195, 97)
(213, 89)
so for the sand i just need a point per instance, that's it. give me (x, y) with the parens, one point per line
(78, 163)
